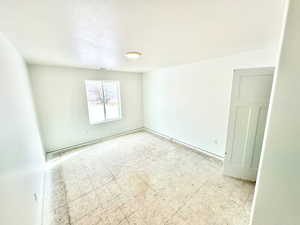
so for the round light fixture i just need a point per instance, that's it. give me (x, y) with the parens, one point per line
(133, 55)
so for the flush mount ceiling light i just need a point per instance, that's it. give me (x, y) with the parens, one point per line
(133, 55)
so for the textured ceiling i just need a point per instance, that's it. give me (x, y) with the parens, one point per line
(97, 33)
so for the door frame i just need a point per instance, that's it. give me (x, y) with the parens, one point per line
(237, 73)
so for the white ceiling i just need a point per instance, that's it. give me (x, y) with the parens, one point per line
(97, 33)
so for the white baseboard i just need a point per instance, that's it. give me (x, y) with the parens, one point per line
(51, 154)
(192, 147)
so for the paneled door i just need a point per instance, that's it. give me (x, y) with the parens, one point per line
(250, 96)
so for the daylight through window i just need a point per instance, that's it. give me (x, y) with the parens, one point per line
(104, 103)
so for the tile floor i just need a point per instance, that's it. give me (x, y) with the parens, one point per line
(140, 179)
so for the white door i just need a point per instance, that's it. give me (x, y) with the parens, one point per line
(251, 90)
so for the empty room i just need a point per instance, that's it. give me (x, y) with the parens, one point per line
(159, 112)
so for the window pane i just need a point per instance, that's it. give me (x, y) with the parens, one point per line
(112, 99)
(95, 101)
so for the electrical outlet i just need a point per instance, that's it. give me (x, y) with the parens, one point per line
(216, 141)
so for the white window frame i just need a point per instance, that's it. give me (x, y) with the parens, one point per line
(119, 98)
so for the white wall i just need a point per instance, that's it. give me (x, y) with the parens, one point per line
(191, 102)
(21, 153)
(60, 98)
(277, 199)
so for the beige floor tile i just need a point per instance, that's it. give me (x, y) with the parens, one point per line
(116, 216)
(141, 179)
(83, 206)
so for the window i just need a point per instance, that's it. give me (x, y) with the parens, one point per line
(104, 103)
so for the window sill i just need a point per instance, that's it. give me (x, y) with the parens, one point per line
(106, 121)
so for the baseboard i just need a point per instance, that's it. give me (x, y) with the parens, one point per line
(192, 147)
(54, 153)
(43, 197)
